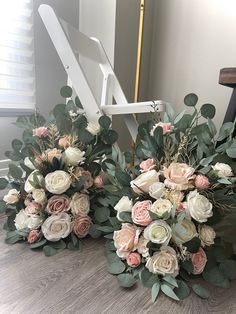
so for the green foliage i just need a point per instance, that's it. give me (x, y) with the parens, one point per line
(231, 151)
(126, 216)
(200, 291)
(49, 250)
(208, 111)
(15, 171)
(191, 100)
(193, 245)
(116, 267)
(110, 137)
(228, 268)
(105, 122)
(155, 291)
(126, 280)
(3, 183)
(66, 91)
(216, 277)
(167, 290)
(102, 214)
(147, 278)
(182, 290)
(225, 130)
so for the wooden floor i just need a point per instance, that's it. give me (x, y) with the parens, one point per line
(77, 282)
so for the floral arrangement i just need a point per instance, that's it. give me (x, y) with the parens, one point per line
(56, 179)
(178, 220)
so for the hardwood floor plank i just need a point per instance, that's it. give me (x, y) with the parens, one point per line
(77, 282)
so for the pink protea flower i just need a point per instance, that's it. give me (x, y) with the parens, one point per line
(40, 132)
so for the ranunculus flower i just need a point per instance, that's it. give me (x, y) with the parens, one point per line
(142, 183)
(88, 180)
(12, 196)
(164, 262)
(39, 195)
(140, 213)
(80, 204)
(56, 227)
(98, 182)
(201, 182)
(133, 259)
(64, 142)
(199, 207)
(57, 182)
(184, 232)
(124, 205)
(58, 204)
(28, 187)
(178, 176)
(147, 165)
(126, 239)
(81, 226)
(158, 232)
(33, 236)
(25, 220)
(73, 156)
(40, 132)
(93, 128)
(199, 261)
(223, 170)
(29, 163)
(142, 246)
(166, 127)
(207, 235)
(161, 208)
(33, 208)
(156, 190)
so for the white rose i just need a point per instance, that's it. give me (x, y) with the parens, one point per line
(223, 170)
(156, 190)
(161, 208)
(29, 163)
(124, 205)
(73, 156)
(25, 220)
(199, 206)
(39, 195)
(28, 187)
(80, 204)
(144, 181)
(12, 197)
(56, 227)
(93, 128)
(164, 262)
(57, 182)
(207, 235)
(142, 247)
(158, 232)
(183, 231)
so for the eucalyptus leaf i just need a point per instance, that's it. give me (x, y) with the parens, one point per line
(16, 144)
(102, 214)
(231, 151)
(171, 280)
(226, 129)
(3, 183)
(15, 171)
(66, 91)
(125, 216)
(38, 244)
(216, 277)
(182, 291)
(208, 111)
(155, 291)
(167, 290)
(126, 280)
(105, 229)
(49, 251)
(104, 122)
(147, 278)
(191, 100)
(116, 267)
(228, 268)
(200, 291)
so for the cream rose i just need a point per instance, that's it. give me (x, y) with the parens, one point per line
(158, 232)
(39, 196)
(12, 196)
(175, 197)
(57, 182)
(184, 231)
(164, 262)
(156, 190)
(73, 156)
(178, 176)
(80, 204)
(223, 170)
(161, 208)
(28, 187)
(57, 227)
(207, 235)
(124, 205)
(142, 183)
(198, 206)
(142, 246)
(126, 239)
(25, 220)
(93, 128)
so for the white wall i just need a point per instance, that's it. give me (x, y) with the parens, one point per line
(50, 75)
(192, 41)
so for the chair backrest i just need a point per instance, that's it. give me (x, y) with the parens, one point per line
(69, 44)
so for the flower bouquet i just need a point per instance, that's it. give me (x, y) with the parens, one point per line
(180, 216)
(56, 180)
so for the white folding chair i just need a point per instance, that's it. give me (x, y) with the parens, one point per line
(69, 43)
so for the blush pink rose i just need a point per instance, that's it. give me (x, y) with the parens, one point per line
(178, 176)
(147, 165)
(82, 226)
(140, 213)
(40, 132)
(58, 204)
(33, 236)
(33, 207)
(201, 182)
(64, 142)
(133, 259)
(126, 240)
(98, 182)
(199, 261)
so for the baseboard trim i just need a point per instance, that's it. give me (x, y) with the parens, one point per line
(4, 167)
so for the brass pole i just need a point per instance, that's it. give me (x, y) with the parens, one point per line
(139, 51)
